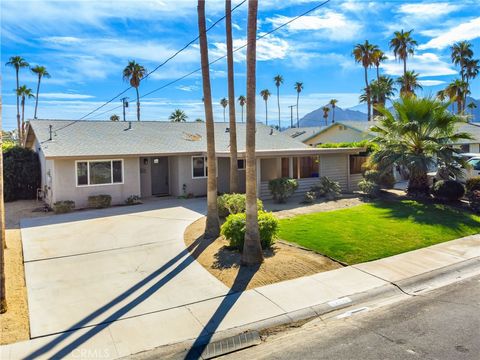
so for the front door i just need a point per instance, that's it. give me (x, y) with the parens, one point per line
(160, 176)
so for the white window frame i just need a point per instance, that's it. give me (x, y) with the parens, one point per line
(88, 172)
(244, 164)
(204, 167)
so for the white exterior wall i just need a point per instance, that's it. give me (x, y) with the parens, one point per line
(65, 188)
(474, 148)
(336, 167)
(335, 135)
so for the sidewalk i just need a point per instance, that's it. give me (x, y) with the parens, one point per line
(261, 307)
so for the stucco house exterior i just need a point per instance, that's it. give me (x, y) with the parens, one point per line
(153, 158)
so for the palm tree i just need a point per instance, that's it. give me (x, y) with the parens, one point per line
(417, 134)
(178, 116)
(472, 106)
(265, 94)
(114, 118)
(471, 69)
(212, 227)
(18, 62)
(278, 81)
(381, 90)
(231, 100)
(24, 93)
(224, 103)
(458, 90)
(409, 83)
(252, 249)
(41, 71)
(134, 73)
(403, 45)
(363, 53)
(461, 52)
(378, 57)
(325, 109)
(298, 87)
(333, 104)
(442, 95)
(242, 100)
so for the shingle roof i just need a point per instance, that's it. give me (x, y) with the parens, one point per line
(472, 129)
(303, 133)
(107, 138)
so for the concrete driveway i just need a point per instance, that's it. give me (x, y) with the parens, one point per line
(95, 267)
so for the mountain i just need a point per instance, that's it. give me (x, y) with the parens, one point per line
(315, 118)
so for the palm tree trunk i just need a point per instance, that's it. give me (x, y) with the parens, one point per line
(242, 113)
(298, 96)
(418, 185)
(378, 73)
(224, 119)
(231, 100)
(333, 114)
(138, 104)
(266, 113)
(252, 249)
(212, 227)
(36, 97)
(404, 66)
(23, 117)
(278, 102)
(3, 246)
(367, 89)
(18, 111)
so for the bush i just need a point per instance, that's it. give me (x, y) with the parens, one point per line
(474, 200)
(234, 229)
(448, 190)
(234, 204)
(99, 201)
(62, 207)
(282, 188)
(473, 184)
(309, 197)
(21, 174)
(369, 188)
(327, 188)
(133, 200)
(383, 179)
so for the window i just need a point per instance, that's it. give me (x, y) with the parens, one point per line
(199, 167)
(475, 163)
(241, 164)
(99, 172)
(356, 163)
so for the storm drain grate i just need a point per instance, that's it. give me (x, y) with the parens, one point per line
(231, 344)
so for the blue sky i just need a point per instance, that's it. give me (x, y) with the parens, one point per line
(86, 44)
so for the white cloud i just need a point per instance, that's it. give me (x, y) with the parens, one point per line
(426, 64)
(328, 24)
(428, 10)
(427, 83)
(466, 31)
(65, 96)
(236, 26)
(268, 48)
(187, 88)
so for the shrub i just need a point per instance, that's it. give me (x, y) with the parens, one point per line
(369, 188)
(473, 184)
(448, 190)
(234, 204)
(234, 229)
(133, 200)
(282, 188)
(384, 179)
(21, 174)
(327, 188)
(99, 201)
(309, 197)
(62, 207)
(474, 200)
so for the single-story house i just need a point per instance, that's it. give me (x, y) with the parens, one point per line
(153, 158)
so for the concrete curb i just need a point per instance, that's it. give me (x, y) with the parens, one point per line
(413, 286)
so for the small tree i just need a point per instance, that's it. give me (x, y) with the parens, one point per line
(114, 117)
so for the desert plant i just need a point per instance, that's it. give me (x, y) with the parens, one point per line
(282, 188)
(309, 197)
(448, 190)
(369, 188)
(65, 206)
(133, 200)
(327, 188)
(234, 229)
(99, 201)
(234, 204)
(21, 169)
(383, 179)
(473, 184)
(474, 200)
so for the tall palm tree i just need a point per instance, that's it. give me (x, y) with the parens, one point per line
(333, 104)
(242, 100)
(417, 134)
(363, 53)
(178, 116)
(298, 87)
(24, 93)
(134, 73)
(265, 94)
(212, 227)
(378, 57)
(18, 63)
(382, 90)
(461, 52)
(224, 103)
(409, 83)
(458, 90)
(403, 46)
(471, 69)
(442, 95)
(472, 106)
(41, 72)
(278, 81)
(231, 100)
(252, 249)
(325, 109)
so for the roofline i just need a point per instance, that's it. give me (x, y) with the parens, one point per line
(331, 125)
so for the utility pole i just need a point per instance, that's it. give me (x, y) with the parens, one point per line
(124, 105)
(291, 114)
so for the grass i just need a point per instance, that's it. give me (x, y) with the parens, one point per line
(377, 230)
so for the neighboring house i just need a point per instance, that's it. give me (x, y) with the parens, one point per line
(473, 145)
(152, 158)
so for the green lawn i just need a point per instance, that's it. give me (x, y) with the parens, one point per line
(373, 231)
